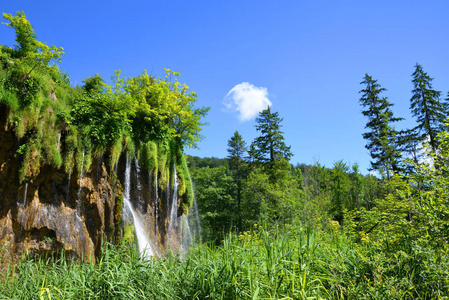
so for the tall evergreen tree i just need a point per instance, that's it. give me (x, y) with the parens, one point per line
(382, 141)
(425, 105)
(270, 146)
(236, 151)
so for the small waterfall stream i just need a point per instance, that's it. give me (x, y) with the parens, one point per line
(142, 238)
(186, 235)
(173, 221)
(68, 184)
(156, 204)
(25, 195)
(78, 200)
(140, 199)
(194, 220)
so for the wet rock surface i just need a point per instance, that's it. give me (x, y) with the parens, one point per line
(56, 211)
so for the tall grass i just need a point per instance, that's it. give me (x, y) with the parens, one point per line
(293, 263)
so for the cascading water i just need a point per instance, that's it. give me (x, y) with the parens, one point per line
(186, 235)
(156, 203)
(194, 220)
(142, 238)
(25, 194)
(174, 206)
(78, 200)
(68, 184)
(140, 199)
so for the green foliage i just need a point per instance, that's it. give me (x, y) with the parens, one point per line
(104, 118)
(164, 108)
(27, 47)
(214, 199)
(425, 105)
(185, 189)
(290, 263)
(236, 156)
(154, 118)
(195, 162)
(340, 190)
(118, 216)
(129, 235)
(149, 156)
(270, 145)
(382, 141)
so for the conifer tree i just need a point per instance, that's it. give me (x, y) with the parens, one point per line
(270, 146)
(382, 141)
(236, 151)
(425, 105)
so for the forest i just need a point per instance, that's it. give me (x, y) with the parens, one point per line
(269, 229)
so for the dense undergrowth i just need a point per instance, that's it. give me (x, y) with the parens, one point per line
(293, 263)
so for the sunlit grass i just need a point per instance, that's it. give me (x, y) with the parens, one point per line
(294, 263)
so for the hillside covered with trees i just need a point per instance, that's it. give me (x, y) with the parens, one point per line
(400, 213)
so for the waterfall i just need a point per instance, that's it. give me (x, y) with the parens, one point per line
(156, 202)
(142, 238)
(174, 206)
(25, 194)
(186, 235)
(78, 201)
(194, 220)
(140, 199)
(68, 184)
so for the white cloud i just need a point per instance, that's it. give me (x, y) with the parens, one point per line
(247, 100)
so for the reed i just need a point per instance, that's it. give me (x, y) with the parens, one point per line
(288, 263)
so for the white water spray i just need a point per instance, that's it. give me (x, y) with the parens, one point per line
(68, 184)
(186, 235)
(156, 204)
(140, 199)
(25, 194)
(78, 201)
(173, 222)
(194, 219)
(142, 238)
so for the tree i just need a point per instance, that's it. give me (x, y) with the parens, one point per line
(165, 107)
(382, 141)
(236, 151)
(340, 190)
(270, 146)
(215, 203)
(27, 46)
(425, 105)
(93, 84)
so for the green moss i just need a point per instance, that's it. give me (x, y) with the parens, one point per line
(129, 234)
(9, 98)
(148, 156)
(69, 154)
(118, 214)
(162, 158)
(185, 187)
(116, 151)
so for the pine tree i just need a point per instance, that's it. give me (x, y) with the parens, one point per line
(425, 105)
(382, 141)
(236, 151)
(270, 146)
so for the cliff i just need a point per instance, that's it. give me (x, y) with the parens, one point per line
(80, 165)
(75, 212)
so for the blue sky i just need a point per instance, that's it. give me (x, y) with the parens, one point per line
(307, 58)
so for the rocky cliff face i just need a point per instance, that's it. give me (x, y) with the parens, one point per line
(75, 212)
